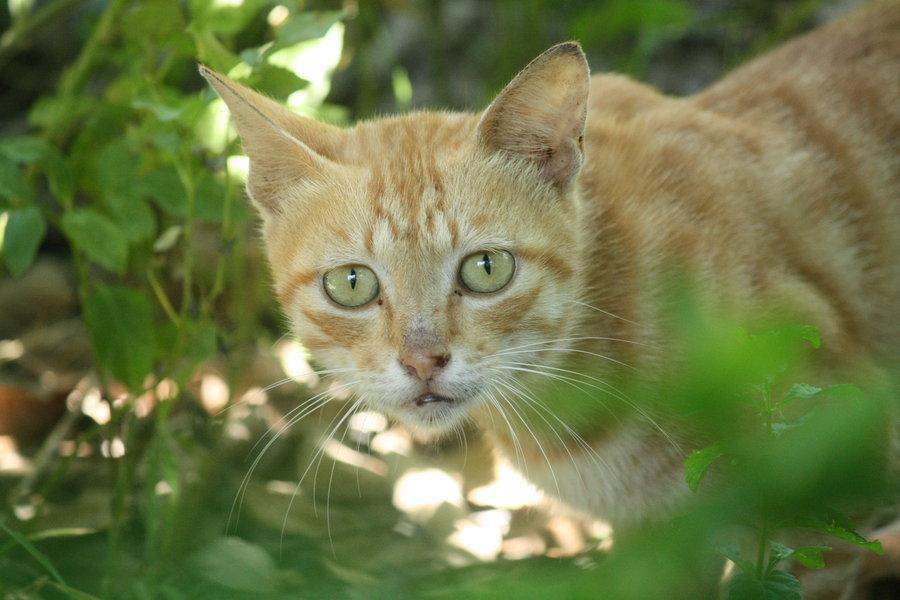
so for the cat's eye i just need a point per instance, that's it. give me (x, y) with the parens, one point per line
(487, 271)
(351, 285)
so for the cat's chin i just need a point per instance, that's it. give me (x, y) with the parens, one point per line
(432, 415)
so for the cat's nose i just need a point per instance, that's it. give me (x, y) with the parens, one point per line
(423, 366)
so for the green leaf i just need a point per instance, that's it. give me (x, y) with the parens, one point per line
(14, 187)
(120, 323)
(303, 26)
(697, 464)
(131, 212)
(210, 50)
(733, 553)
(802, 391)
(32, 150)
(164, 187)
(225, 17)
(98, 237)
(778, 585)
(238, 565)
(277, 82)
(24, 149)
(838, 526)
(25, 229)
(811, 556)
(777, 553)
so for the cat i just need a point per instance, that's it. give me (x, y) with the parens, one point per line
(445, 263)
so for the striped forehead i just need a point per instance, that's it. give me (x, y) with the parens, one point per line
(408, 204)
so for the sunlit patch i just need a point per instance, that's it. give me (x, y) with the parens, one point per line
(421, 492)
(25, 512)
(214, 393)
(314, 61)
(114, 448)
(569, 538)
(278, 15)
(345, 454)
(255, 396)
(11, 350)
(395, 440)
(293, 358)
(525, 546)
(508, 490)
(166, 389)
(93, 405)
(11, 462)
(482, 540)
(363, 425)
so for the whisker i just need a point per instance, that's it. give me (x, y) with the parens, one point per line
(540, 446)
(572, 350)
(605, 312)
(521, 463)
(290, 419)
(537, 404)
(606, 388)
(571, 339)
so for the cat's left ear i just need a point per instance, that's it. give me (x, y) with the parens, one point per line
(540, 116)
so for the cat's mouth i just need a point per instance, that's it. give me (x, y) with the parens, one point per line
(431, 398)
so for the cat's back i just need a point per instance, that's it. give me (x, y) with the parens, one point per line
(780, 181)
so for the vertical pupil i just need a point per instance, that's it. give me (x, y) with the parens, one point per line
(352, 278)
(486, 263)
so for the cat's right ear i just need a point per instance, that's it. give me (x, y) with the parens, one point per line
(540, 116)
(284, 148)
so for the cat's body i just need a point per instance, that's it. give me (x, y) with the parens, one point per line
(776, 191)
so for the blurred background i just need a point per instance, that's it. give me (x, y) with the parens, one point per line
(160, 435)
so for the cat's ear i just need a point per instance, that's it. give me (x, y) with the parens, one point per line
(539, 117)
(284, 148)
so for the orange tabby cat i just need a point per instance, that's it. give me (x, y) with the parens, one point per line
(446, 262)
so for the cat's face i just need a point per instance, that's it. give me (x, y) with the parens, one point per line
(431, 260)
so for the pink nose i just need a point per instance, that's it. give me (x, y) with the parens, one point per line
(423, 366)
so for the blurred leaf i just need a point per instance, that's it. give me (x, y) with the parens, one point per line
(120, 323)
(810, 556)
(14, 187)
(697, 464)
(225, 17)
(164, 187)
(24, 149)
(777, 554)
(275, 81)
(838, 526)
(778, 585)
(38, 556)
(236, 564)
(733, 553)
(32, 150)
(802, 391)
(210, 50)
(303, 26)
(25, 229)
(133, 215)
(610, 21)
(98, 237)
(74, 594)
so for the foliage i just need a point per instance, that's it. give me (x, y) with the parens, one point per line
(127, 164)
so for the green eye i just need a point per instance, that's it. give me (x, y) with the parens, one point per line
(488, 271)
(351, 285)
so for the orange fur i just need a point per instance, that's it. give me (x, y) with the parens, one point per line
(779, 187)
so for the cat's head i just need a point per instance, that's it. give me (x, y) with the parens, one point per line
(433, 258)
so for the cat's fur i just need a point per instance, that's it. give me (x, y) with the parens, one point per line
(776, 191)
